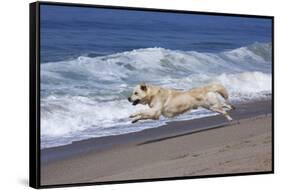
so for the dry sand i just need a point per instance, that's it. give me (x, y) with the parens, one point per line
(242, 147)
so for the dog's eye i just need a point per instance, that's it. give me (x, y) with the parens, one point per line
(136, 93)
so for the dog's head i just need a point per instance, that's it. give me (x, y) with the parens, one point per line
(139, 94)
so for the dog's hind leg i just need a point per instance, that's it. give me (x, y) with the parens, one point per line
(221, 111)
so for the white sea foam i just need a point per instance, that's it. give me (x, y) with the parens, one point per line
(86, 97)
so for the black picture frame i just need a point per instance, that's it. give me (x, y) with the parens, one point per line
(34, 93)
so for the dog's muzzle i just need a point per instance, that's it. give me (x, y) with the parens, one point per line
(133, 102)
(136, 102)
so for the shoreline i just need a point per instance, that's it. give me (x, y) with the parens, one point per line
(133, 155)
(171, 129)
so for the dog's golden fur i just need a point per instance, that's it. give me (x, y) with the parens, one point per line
(170, 102)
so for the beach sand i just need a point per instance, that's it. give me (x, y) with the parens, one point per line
(244, 145)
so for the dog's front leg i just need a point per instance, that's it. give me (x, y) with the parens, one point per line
(135, 115)
(146, 114)
(136, 119)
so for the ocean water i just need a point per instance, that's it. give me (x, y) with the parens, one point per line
(92, 58)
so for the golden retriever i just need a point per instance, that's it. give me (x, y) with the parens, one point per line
(170, 102)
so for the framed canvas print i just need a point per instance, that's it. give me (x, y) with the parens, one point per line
(120, 94)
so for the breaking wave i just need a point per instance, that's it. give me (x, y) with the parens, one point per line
(86, 97)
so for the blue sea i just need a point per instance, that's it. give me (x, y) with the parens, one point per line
(91, 58)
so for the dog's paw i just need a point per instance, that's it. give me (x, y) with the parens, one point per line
(134, 121)
(132, 116)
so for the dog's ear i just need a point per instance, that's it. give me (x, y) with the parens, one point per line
(143, 87)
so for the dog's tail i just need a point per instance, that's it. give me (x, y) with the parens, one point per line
(219, 89)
